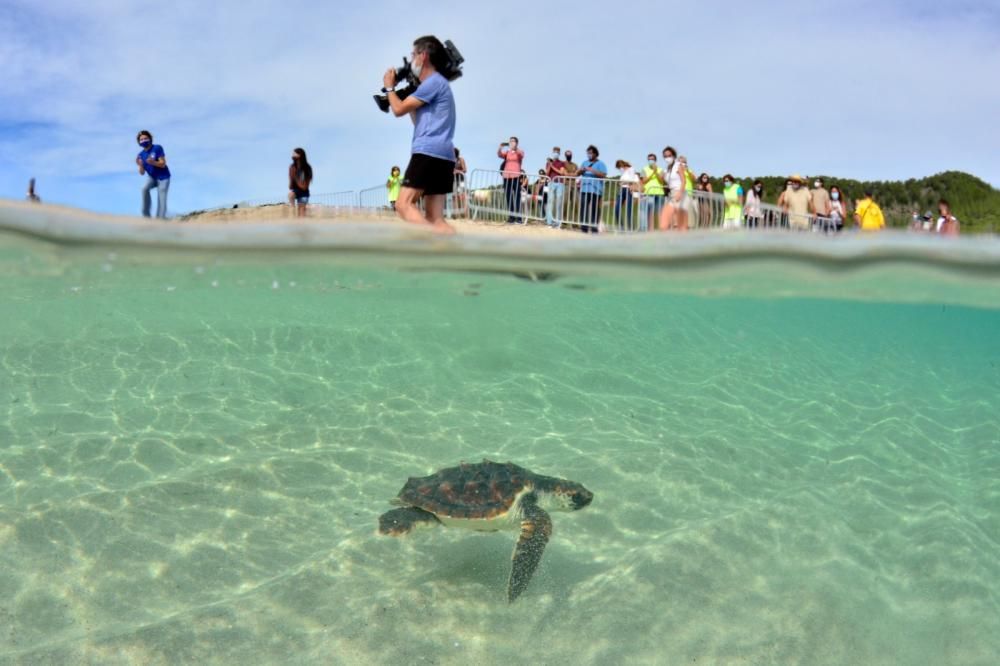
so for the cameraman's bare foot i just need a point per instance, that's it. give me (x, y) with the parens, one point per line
(442, 228)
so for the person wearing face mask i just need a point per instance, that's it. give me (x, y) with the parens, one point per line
(704, 203)
(652, 180)
(796, 203)
(152, 162)
(392, 186)
(431, 172)
(555, 171)
(513, 160)
(592, 174)
(299, 177)
(628, 182)
(819, 201)
(733, 195)
(752, 209)
(571, 166)
(674, 214)
(838, 209)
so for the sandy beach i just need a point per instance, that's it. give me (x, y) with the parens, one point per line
(323, 215)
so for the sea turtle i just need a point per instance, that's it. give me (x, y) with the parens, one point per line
(488, 497)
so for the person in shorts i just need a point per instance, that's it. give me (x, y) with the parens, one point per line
(300, 175)
(431, 172)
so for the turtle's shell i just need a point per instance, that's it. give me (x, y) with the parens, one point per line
(477, 492)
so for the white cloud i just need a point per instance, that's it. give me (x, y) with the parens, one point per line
(869, 90)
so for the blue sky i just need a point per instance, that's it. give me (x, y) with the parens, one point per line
(878, 89)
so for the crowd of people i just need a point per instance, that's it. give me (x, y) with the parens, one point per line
(672, 196)
(657, 197)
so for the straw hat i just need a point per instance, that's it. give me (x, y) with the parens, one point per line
(797, 177)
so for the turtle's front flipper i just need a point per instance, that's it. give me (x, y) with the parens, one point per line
(536, 527)
(403, 521)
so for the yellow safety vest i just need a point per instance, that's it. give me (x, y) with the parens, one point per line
(653, 185)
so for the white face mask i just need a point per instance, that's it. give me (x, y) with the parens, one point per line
(817, 185)
(417, 69)
(652, 163)
(835, 196)
(555, 156)
(669, 161)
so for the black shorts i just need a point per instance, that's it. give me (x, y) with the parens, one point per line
(433, 175)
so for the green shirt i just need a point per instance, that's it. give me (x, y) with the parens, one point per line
(393, 185)
(734, 210)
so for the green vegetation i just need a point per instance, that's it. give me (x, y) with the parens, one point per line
(975, 202)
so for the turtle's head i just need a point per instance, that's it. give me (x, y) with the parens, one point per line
(563, 495)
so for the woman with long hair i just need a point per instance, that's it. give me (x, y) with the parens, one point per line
(704, 185)
(752, 210)
(628, 184)
(947, 224)
(674, 214)
(838, 208)
(300, 175)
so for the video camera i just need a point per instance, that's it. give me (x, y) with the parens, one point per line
(451, 71)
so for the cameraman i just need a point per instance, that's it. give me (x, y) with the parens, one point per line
(431, 172)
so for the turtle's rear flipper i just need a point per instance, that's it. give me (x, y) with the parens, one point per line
(403, 521)
(536, 527)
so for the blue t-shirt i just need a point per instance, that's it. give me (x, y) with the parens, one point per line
(590, 183)
(156, 152)
(435, 128)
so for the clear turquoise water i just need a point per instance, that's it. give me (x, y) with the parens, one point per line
(195, 448)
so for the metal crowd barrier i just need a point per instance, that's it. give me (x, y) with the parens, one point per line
(607, 204)
(334, 204)
(584, 203)
(587, 204)
(489, 197)
(706, 210)
(374, 201)
(593, 204)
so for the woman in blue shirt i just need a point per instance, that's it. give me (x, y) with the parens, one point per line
(592, 174)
